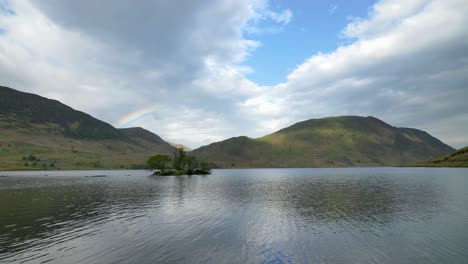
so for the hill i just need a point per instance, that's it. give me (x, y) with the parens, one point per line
(147, 139)
(458, 158)
(22, 110)
(37, 133)
(40, 133)
(327, 142)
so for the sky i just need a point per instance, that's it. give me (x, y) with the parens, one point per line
(196, 72)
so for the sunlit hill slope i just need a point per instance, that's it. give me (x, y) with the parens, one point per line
(328, 142)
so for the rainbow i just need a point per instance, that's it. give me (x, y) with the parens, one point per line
(134, 116)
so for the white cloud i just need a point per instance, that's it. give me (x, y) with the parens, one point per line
(266, 20)
(406, 63)
(178, 56)
(384, 15)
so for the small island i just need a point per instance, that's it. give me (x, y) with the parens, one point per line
(179, 164)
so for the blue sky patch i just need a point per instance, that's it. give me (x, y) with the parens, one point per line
(315, 27)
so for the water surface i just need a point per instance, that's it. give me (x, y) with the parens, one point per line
(359, 215)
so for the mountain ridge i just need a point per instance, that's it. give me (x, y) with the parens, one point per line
(64, 138)
(26, 108)
(327, 142)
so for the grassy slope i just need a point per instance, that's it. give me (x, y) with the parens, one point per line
(71, 153)
(148, 140)
(23, 109)
(327, 142)
(68, 139)
(457, 159)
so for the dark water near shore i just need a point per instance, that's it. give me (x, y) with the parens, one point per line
(361, 215)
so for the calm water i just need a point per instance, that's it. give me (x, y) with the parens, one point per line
(362, 215)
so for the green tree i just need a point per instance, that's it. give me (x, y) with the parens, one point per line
(205, 168)
(179, 159)
(183, 164)
(190, 163)
(158, 162)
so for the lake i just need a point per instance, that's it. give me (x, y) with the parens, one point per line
(351, 215)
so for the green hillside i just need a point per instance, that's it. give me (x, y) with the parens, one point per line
(39, 133)
(327, 142)
(22, 110)
(147, 139)
(457, 159)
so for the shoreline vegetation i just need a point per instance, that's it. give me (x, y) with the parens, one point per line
(179, 164)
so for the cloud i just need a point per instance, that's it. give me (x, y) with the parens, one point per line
(111, 58)
(384, 16)
(406, 62)
(266, 20)
(283, 17)
(407, 66)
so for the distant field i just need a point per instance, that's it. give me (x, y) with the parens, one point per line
(58, 152)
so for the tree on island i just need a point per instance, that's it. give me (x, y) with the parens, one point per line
(182, 164)
(190, 164)
(159, 162)
(179, 159)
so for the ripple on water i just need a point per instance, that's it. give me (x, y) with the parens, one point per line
(366, 215)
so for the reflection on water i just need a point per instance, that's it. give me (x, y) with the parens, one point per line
(362, 215)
